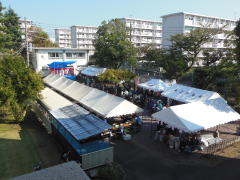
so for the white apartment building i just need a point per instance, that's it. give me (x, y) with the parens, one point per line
(42, 56)
(83, 36)
(183, 22)
(63, 38)
(25, 24)
(143, 32)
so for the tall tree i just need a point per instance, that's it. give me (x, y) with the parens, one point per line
(237, 40)
(39, 38)
(10, 33)
(112, 47)
(19, 86)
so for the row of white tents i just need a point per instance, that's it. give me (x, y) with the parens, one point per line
(100, 102)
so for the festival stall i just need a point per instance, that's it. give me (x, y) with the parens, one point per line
(78, 129)
(155, 85)
(186, 94)
(100, 102)
(184, 124)
(93, 71)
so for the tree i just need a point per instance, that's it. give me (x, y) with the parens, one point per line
(40, 38)
(112, 47)
(237, 41)
(10, 33)
(19, 86)
(116, 75)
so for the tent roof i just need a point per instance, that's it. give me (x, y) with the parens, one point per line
(196, 116)
(155, 85)
(79, 122)
(65, 171)
(93, 71)
(60, 64)
(100, 102)
(188, 94)
(53, 100)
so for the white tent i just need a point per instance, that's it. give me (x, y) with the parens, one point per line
(53, 100)
(188, 94)
(193, 117)
(93, 71)
(98, 101)
(155, 85)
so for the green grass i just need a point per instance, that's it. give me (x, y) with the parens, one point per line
(23, 146)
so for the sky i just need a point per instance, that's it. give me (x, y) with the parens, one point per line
(51, 14)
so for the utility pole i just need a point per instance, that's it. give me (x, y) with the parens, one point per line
(26, 42)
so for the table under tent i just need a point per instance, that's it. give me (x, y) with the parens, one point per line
(194, 119)
(77, 129)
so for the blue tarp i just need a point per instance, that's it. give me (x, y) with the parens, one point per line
(60, 65)
(70, 76)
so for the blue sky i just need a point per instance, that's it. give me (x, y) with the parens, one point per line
(50, 14)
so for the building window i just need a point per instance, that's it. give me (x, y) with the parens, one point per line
(75, 55)
(55, 55)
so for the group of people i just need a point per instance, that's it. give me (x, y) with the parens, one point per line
(147, 99)
(176, 139)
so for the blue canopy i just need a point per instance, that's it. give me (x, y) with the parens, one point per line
(70, 76)
(60, 65)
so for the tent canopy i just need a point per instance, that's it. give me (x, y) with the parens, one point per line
(60, 64)
(154, 85)
(53, 100)
(93, 71)
(188, 94)
(193, 117)
(100, 102)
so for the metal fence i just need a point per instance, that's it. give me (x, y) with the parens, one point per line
(223, 144)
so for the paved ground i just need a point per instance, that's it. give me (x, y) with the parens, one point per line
(143, 158)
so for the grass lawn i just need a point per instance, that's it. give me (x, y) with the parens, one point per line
(23, 146)
(232, 151)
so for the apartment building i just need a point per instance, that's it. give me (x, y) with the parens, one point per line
(183, 22)
(143, 32)
(83, 36)
(63, 38)
(23, 25)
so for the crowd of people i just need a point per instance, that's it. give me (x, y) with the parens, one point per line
(147, 99)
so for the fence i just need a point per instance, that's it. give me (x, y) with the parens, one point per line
(223, 144)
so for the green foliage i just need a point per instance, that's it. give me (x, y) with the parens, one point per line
(40, 38)
(116, 75)
(237, 41)
(19, 86)
(112, 47)
(10, 33)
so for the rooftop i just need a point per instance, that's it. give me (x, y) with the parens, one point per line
(65, 171)
(194, 14)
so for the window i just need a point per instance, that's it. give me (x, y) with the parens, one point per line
(75, 55)
(55, 55)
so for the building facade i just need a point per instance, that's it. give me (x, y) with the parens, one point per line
(182, 22)
(25, 24)
(42, 56)
(63, 38)
(144, 32)
(83, 36)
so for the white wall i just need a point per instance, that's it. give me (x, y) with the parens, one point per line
(40, 58)
(172, 25)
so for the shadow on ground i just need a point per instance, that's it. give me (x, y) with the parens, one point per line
(143, 158)
(23, 146)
